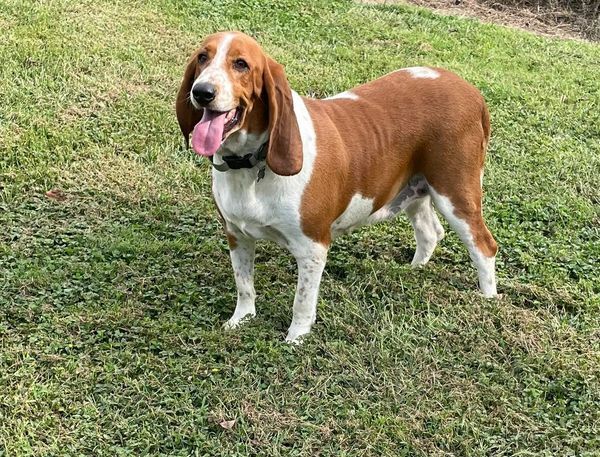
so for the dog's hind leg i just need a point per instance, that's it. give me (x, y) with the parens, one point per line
(428, 230)
(415, 201)
(462, 210)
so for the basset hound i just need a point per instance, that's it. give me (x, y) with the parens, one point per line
(301, 171)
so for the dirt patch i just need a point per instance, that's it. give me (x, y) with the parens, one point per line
(544, 21)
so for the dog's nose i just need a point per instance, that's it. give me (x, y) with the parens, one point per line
(204, 93)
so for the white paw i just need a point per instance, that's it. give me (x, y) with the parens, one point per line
(492, 295)
(418, 264)
(419, 261)
(296, 332)
(489, 290)
(236, 321)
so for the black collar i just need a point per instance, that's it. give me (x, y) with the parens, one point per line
(236, 162)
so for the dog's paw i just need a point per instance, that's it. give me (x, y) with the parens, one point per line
(297, 333)
(493, 296)
(418, 263)
(236, 321)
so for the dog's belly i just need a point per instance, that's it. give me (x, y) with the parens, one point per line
(355, 215)
(359, 211)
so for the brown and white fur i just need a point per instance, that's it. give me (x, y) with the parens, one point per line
(409, 140)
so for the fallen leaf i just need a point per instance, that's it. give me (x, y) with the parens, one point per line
(56, 194)
(227, 425)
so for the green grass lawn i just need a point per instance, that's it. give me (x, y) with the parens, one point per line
(112, 298)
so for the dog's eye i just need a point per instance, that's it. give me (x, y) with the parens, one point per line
(240, 65)
(202, 57)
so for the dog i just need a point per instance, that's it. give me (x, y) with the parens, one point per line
(300, 171)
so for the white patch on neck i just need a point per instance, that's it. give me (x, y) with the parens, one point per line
(422, 72)
(348, 95)
(216, 73)
(269, 208)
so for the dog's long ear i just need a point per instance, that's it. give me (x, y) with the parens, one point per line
(187, 115)
(284, 155)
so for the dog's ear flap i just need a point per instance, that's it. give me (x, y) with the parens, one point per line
(284, 155)
(187, 115)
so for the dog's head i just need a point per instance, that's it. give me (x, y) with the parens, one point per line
(232, 90)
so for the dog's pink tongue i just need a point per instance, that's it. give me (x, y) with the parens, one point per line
(208, 133)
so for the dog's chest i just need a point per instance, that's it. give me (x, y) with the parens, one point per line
(260, 209)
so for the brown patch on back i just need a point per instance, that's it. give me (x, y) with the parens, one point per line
(399, 126)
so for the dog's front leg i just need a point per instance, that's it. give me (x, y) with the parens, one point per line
(311, 263)
(242, 259)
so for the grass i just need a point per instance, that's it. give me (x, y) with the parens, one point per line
(113, 296)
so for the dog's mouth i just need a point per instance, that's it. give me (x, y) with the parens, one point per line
(212, 130)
